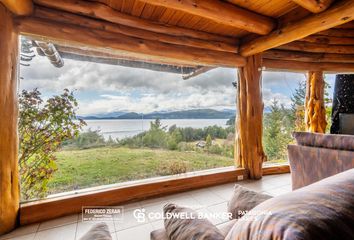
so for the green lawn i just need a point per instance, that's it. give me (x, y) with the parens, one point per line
(78, 169)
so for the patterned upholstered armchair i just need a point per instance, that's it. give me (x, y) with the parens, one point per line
(317, 156)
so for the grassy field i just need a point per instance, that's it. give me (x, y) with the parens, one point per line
(78, 169)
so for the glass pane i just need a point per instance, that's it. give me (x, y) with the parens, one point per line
(142, 119)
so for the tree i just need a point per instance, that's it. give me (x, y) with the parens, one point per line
(275, 134)
(43, 127)
(208, 141)
(156, 137)
(297, 113)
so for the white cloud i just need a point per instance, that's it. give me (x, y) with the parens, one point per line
(106, 88)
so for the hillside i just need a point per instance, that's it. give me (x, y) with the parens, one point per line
(187, 114)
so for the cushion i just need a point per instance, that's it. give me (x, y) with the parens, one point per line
(333, 141)
(98, 231)
(161, 234)
(186, 225)
(243, 200)
(323, 210)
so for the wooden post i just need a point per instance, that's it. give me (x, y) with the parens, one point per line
(315, 111)
(249, 152)
(9, 179)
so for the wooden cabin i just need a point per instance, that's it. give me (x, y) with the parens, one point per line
(195, 35)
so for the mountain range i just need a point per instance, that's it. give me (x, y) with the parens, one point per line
(185, 114)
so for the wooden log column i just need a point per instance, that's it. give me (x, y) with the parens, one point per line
(249, 152)
(9, 180)
(315, 111)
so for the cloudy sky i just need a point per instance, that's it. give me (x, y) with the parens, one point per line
(102, 88)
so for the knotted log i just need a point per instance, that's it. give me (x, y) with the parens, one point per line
(315, 111)
(249, 152)
(9, 184)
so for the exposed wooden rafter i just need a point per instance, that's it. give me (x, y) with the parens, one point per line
(69, 18)
(338, 14)
(221, 12)
(107, 41)
(317, 47)
(19, 7)
(131, 63)
(329, 40)
(96, 53)
(308, 57)
(314, 6)
(196, 72)
(50, 51)
(101, 11)
(276, 65)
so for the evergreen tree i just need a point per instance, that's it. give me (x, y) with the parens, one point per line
(208, 141)
(275, 136)
(298, 99)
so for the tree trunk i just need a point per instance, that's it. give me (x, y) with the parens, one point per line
(343, 99)
(9, 179)
(315, 111)
(249, 152)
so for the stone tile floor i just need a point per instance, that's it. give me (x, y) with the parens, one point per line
(207, 200)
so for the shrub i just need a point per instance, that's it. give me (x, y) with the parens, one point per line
(215, 149)
(43, 127)
(174, 167)
(85, 140)
(183, 147)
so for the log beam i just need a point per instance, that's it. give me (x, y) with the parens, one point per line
(338, 14)
(221, 12)
(249, 152)
(101, 11)
(69, 18)
(315, 111)
(130, 46)
(314, 6)
(308, 57)
(276, 65)
(317, 47)
(19, 7)
(329, 40)
(9, 174)
(338, 32)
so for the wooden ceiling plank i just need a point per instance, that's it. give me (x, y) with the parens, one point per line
(158, 12)
(315, 6)
(271, 8)
(221, 12)
(107, 41)
(19, 7)
(68, 18)
(101, 11)
(336, 15)
(148, 11)
(138, 8)
(127, 6)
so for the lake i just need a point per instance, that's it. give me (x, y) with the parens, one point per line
(121, 128)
